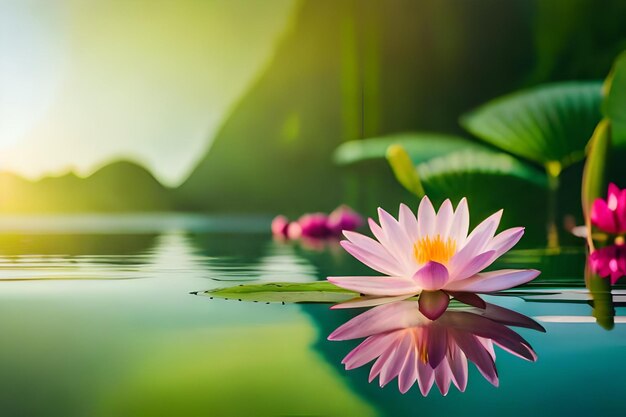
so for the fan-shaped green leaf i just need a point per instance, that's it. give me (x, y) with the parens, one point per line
(549, 123)
(420, 147)
(440, 171)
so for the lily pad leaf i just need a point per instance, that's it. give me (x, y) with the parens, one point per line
(546, 124)
(286, 292)
(443, 172)
(420, 146)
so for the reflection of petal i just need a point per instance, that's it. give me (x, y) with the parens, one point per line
(380, 319)
(433, 304)
(367, 351)
(406, 344)
(408, 374)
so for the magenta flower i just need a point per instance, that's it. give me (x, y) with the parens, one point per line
(343, 218)
(432, 255)
(280, 224)
(413, 348)
(609, 261)
(314, 225)
(610, 214)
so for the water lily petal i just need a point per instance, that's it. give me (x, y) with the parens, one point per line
(375, 253)
(468, 298)
(433, 304)
(444, 219)
(482, 234)
(494, 280)
(391, 286)
(372, 260)
(602, 217)
(408, 221)
(432, 276)
(396, 239)
(460, 223)
(426, 218)
(473, 265)
(505, 240)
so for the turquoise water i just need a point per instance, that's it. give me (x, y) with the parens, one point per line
(98, 318)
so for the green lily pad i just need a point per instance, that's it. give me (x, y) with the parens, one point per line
(446, 171)
(420, 146)
(286, 292)
(547, 124)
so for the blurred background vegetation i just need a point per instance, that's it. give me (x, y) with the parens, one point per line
(347, 70)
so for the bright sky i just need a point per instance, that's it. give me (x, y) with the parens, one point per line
(83, 82)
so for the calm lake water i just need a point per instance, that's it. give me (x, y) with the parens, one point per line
(97, 319)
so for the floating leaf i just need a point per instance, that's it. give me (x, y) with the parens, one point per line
(420, 146)
(311, 292)
(549, 123)
(404, 170)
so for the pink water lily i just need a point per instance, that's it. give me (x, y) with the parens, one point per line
(413, 348)
(609, 261)
(431, 254)
(610, 214)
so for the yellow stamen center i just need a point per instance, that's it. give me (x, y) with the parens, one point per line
(434, 249)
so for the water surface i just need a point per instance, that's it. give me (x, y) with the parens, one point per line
(98, 319)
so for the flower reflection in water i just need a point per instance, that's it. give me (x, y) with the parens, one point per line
(609, 261)
(413, 348)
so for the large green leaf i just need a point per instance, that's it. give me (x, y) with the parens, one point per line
(546, 124)
(420, 147)
(446, 171)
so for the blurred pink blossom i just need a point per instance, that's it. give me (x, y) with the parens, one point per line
(609, 261)
(344, 218)
(610, 214)
(279, 226)
(317, 225)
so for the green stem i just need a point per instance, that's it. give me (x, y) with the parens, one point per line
(553, 170)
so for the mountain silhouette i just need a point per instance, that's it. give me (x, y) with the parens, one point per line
(119, 186)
